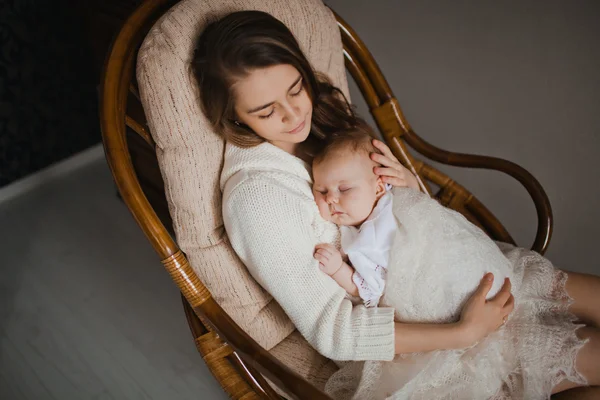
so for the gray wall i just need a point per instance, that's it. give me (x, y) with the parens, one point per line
(514, 79)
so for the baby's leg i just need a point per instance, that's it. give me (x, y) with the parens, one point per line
(588, 365)
(584, 289)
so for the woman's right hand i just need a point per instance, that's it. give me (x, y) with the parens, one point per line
(480, 317)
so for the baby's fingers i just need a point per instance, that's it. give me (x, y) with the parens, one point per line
(325, 246)
(321, 255)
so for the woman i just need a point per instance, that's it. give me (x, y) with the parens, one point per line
(260, 92)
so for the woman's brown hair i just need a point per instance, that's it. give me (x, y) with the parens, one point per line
(233, 46)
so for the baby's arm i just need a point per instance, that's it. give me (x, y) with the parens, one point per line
(331, 262)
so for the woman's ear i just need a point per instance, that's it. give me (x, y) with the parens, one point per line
(379, 188)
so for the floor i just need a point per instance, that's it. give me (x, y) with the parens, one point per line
(86, 310)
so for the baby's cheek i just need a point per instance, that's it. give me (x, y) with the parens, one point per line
(323, 210)
(362, 205)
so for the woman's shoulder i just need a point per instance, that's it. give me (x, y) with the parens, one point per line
(266, 189)
(261, 161)
(264, 173)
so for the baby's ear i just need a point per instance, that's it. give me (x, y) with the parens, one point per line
(380, 188)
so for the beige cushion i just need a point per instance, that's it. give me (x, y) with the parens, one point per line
(295, 352)
(190, 154)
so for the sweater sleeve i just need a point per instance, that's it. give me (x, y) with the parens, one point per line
(269, 227)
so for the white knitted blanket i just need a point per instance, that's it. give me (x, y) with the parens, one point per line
(437, 260)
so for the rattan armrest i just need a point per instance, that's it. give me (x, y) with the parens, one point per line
(531, 184)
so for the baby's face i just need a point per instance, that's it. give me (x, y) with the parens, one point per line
(346, 189)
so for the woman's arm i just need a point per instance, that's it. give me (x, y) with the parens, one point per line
(410, 338)
(414, 338)
(479, 318)
(270, 228)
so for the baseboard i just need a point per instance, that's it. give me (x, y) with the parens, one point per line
(30, 182)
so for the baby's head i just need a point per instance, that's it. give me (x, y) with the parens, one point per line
(345, 187)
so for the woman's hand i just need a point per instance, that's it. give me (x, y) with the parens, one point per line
(392, 171)
(480, 317)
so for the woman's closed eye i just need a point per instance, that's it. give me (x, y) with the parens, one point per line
(294, 94)
(268, 115)
(297, 93)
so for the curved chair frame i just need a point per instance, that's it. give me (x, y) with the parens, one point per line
(238, 363)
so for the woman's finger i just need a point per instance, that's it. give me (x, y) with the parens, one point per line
(394, 181)
(501, 298)
(385, 160)
(387, 171)
(379, 145)
(510, 305)
(504, 294)
(507, 287)
(486, 284)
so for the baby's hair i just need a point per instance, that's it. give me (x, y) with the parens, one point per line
(358, 139)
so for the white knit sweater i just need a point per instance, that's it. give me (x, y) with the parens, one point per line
(273, 224)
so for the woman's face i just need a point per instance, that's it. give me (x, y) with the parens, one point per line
(274, 103)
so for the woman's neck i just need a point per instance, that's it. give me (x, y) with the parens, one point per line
(295, 149)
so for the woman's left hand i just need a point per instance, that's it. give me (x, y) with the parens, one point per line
(391, 171)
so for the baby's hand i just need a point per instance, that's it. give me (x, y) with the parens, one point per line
(330, 259)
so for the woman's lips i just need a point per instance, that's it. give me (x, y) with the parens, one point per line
(299, 127)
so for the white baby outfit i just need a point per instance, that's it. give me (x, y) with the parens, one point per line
(368, 250)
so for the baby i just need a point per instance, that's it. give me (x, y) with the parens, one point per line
(349, 194)
(430, 257)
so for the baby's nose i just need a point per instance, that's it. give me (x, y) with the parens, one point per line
(331, 198)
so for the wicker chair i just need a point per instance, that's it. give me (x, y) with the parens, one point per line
(236, 360)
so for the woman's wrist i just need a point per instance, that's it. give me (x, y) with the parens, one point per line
(465, 335)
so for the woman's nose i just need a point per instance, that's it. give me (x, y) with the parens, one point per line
(292, 113)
